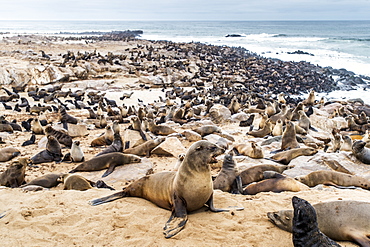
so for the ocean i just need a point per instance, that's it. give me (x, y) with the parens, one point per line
(339, 44)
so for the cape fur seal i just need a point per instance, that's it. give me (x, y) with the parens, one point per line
(65, 117)
(8, 153)
(47, 181)
(333, 178)
(285, 157)
(262, 132)
(145, 148)
(227, 176)
(116, 146)
(105, 139)
(104, 161)
(36, 127)
(186, 190)
(274, 182)
(62, 137)
(306, 232)
(14, 175)
(289, 139)
(53, 152)
(159, 129)
(74, 182)
(250, 149)
(77, 155)
(255, 173)
(361, 152)
(339, 220)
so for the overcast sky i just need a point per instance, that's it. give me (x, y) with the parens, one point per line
(185, 9)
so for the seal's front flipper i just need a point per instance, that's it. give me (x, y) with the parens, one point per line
(178, 218)
(360, 238)
(109, 171)
(236, 187)
(209, 203)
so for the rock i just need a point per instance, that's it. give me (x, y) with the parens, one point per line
(133, 137)
(170, 147)
(77, 130)
(327, 124)
(240, 116)
(42, 142)
(192, 136)
(216, 139)
(219, 113)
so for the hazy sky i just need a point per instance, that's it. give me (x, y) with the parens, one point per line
(185, 9)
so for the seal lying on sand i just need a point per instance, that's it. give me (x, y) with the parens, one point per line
(8, 153)
(339, 220)
(109, 160)
(14, 176)
(186, 190)
(306, 232)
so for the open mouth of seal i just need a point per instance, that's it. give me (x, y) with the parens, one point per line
(214, 158)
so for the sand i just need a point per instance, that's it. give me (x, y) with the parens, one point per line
(59, 217)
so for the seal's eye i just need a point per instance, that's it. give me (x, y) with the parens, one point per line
(287, 218)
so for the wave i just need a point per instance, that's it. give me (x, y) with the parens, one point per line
(353, 39)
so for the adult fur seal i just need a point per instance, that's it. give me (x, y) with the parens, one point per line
(225, 179)
(250, 149)
(14, 175)
(145, 148)
(105, 139)
(116, 146)
(339, 220)
(285, 157)
(334, 178)
(289, 139)
(8, 153)
(53, 152)
(361, 152)
(186, 190)
(274, 182)
(62, 137)
(65, 117)
(262, 132)
(47, 181)
(109, 160)
(255, 173)
(74, 182)
(306, 232)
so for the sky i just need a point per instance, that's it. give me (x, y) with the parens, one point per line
(184, 9)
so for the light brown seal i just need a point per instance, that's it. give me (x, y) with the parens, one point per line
(159, 129)
(289, 139)
(361, 152)
(109, 160)
(207, 130)
(278, 128)
(285, 157)
(339, 220)
(334, 178)
(6, 127)
(310, 101)
(145, 148)
(8, 153)
(262, 132)
(274, 182)
(105, 139)
(255, 173)
(14, 175)
(250, 149)
(77, 155)
(36, 127)
(74, 182)
(186, 190)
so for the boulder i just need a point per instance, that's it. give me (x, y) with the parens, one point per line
(192, 136)
(219, 113)
(133, 137)
(170, 147)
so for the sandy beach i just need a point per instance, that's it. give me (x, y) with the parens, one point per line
(57, 217)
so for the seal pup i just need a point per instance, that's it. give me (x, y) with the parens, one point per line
(186, 190)
(255, 173)
(145, 148)
(278, 128)
(310, 101)
(116, 146)
(285, 157)
(334, 178)
(14, 175)
(306, 232)
(346, 143)
(335, 219)
(8, 153)
(104, 161)
(274, 182)
(105, 139)
(62, 137)
(250, 149)
(136, 125)
(74, 182)
(30, 141)
(47, 181)
(53, 152)
(227, 176)
(361, 152)
(36, 127)
(77, 155)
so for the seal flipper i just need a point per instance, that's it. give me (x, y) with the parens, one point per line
(359, 237)
(110, 198)
(211, 207)
(109, 171)
(178, 218)
(236, 187)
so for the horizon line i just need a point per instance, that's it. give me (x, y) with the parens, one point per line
(140, 20)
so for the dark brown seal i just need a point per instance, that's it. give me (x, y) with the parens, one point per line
(47, 181)
(53, 152)
(339, 220)
(306, 232)
(14, 175)
(116, 146)
(109, 160)
(65, 117)
(361, 152)
(186, 190)
(62, 137)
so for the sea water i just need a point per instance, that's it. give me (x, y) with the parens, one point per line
(339, 44)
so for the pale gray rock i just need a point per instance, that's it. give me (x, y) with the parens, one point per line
(170, 147)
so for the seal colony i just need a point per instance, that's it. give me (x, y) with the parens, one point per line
(228, 96)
